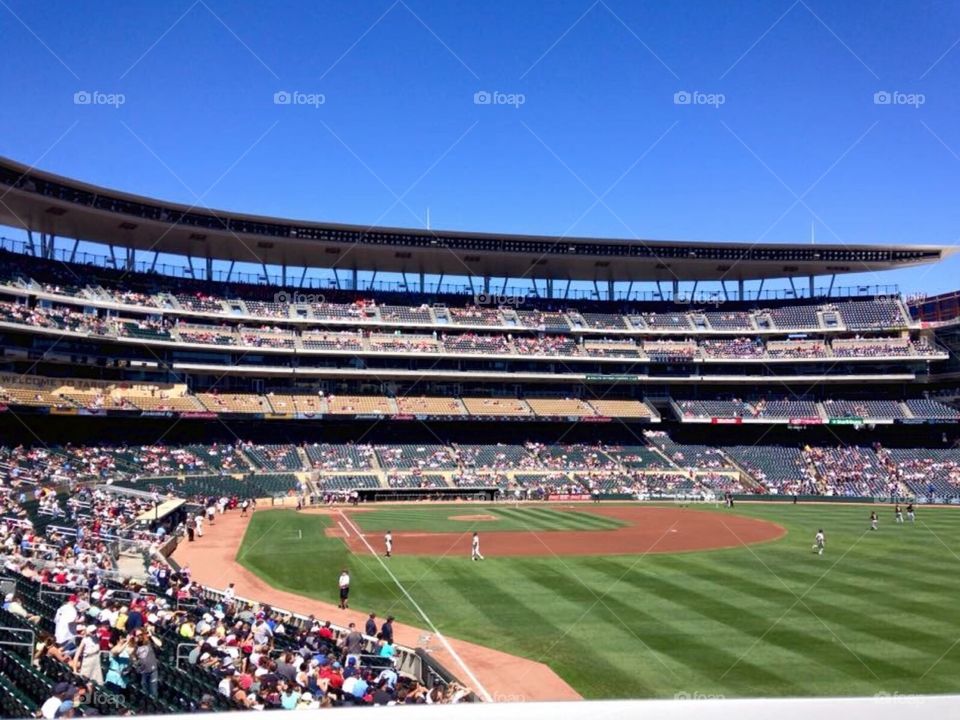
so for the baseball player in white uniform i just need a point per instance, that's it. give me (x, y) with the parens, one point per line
(388, 542)
(475, 548)
(818, 542)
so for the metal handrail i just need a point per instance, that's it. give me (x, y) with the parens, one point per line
(20, 643)
(180, 656)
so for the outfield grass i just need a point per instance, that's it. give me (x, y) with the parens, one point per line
(436, 518)
(876, 613)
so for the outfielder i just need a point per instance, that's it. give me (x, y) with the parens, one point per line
(388, 543)
(475, 548)
(898, 514)
(873, 520)
(819, 542)
(910, 516)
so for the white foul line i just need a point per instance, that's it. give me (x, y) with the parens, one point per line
(446, 643)
(345, 531)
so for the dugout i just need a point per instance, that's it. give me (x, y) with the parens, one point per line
(378, 494)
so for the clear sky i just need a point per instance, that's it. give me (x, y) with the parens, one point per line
(555, 118)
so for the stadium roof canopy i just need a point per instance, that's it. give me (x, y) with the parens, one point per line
(46, 203)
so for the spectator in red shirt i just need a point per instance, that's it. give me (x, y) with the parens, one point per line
(105, 635)
(326, 632)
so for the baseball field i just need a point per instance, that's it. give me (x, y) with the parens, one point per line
(658, 601)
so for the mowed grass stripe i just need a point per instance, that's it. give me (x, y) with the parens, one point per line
(580, 521)
(505, 519)
(522, 602)
(534, 519)
(589, 521)
(538, 519)
(559, 519)
(836, 598)
(837, 611)
(631, 633)
(813, 646)
(548, 518)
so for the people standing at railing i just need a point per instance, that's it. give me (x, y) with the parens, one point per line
(118, 671)
(352, 644)
(144, 660)
(65, 621)
(86, 660)
(387, 629)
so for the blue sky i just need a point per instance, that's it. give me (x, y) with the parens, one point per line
(782, 132)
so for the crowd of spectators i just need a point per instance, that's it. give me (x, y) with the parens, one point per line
(247, 469)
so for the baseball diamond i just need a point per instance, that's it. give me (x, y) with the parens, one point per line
(480, 354)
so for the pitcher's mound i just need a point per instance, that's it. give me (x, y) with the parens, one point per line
(473, 518)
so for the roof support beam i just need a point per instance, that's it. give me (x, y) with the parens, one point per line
(73, 250)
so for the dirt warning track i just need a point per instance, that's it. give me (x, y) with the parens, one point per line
(647, 530)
